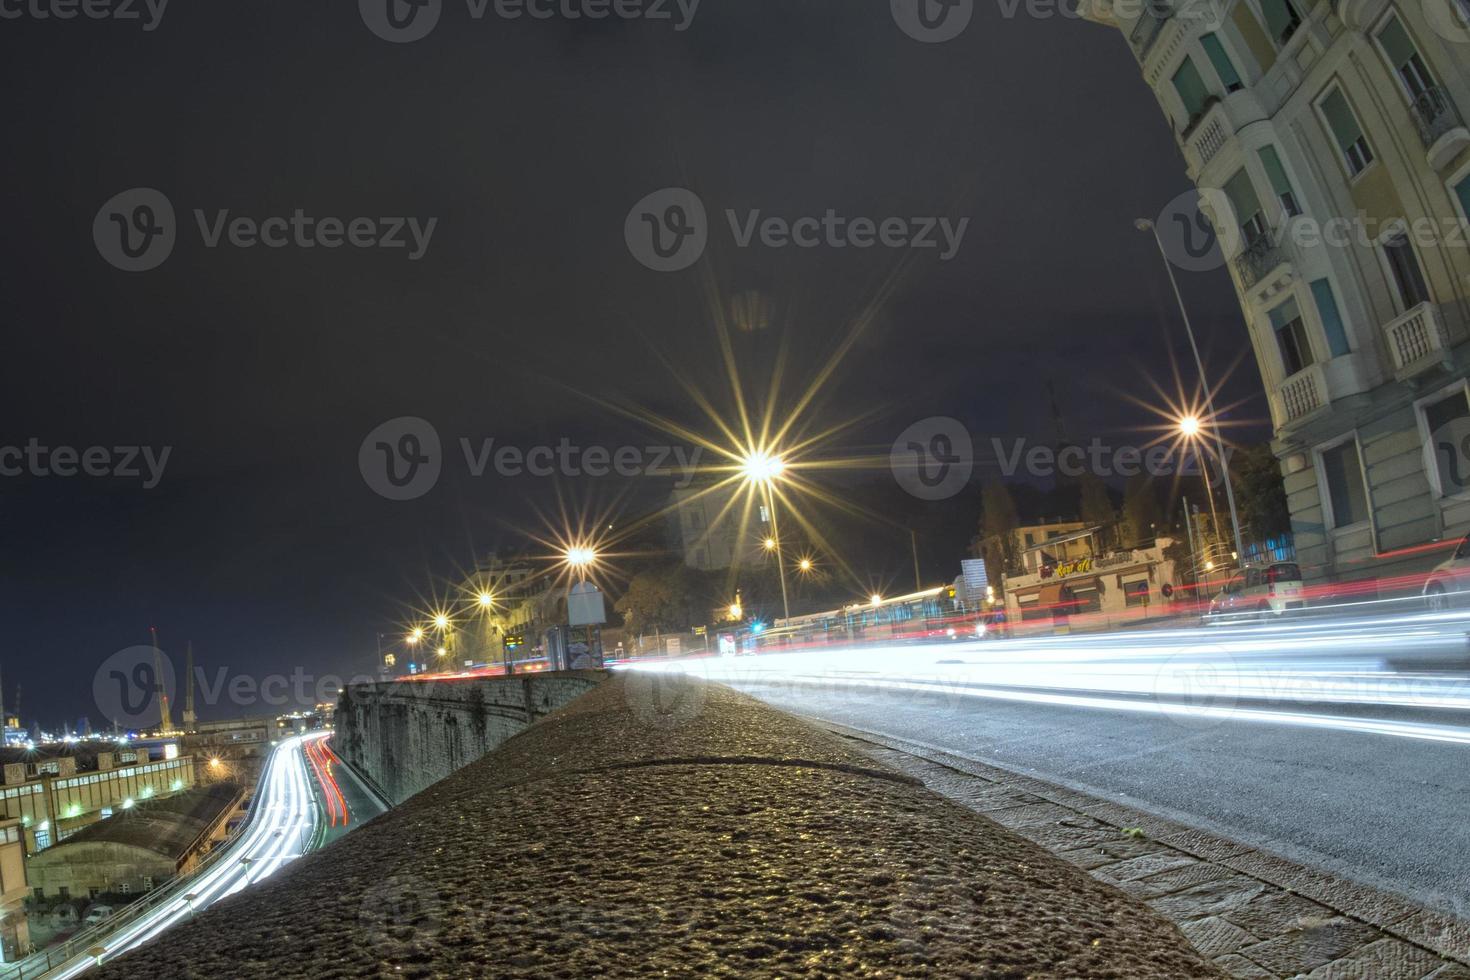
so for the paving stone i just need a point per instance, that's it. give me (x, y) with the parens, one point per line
(1065, 837)
(984, 796)
(1110, 852)
(1210, 898)
(1299, 952)
(1441, 933)
(1381, 960)
(1242, 968)
(1274, 913)
(1029, 814)
(1177, 880)
(1213, 936)
(1147, 864)
(1203, 845)
(1450, 971)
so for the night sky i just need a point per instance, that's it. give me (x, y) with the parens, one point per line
(529, 141)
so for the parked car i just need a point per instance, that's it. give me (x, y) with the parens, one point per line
(1260, 591)
(96, 914)
(1449, 582)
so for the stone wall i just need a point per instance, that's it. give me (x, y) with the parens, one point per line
(406, 735)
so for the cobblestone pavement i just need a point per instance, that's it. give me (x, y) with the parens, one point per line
(1255, 914)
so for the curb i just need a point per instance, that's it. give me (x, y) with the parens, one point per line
(1221, 893)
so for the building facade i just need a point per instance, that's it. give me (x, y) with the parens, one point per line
(1329, 144)
(716, 527)
(55, 796)
(1073, 577)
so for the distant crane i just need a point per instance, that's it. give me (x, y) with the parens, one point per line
(189, 690)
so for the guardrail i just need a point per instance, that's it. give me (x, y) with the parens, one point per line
(40, 963)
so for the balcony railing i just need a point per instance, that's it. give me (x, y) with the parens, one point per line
(1416, 340)
(1435, 114)
(1303, 394)
(1259, 257)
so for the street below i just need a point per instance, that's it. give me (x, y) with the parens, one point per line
(1337, 743)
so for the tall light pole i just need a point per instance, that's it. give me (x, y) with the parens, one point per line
(1143, 224)
(761, 469)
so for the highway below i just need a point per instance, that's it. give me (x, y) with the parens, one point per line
(1339, 743)
(283, 822)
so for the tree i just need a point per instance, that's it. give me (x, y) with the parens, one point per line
(1095, 506)
(998, 522)
(659, 599)
(1141, 513)
(1260, 492)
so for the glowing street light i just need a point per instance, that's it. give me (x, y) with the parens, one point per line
(804, 565)
(580, 557)
(442, 651)
(762, 467)
(485, 599)
(414, 637)
(1189, 426)
(876, 599)
(735, 610)
(441, 622)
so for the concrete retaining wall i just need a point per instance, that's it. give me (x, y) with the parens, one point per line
(406, 735)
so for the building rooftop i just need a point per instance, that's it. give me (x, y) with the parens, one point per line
(168, 825)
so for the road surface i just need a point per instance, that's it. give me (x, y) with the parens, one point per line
(1339, 743)
(283, 819)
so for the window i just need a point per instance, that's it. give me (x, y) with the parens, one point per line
(1346, 131)
(1224, 67)
(1282, 20)
(1331, 317)
(1083, 600)
(1276, 174)
(1448, 424)
(1462, 191)
(43, 839)
(1242, 196)
(1191, 88)
(1291, 337)
(1407, 274)
(1404, 58)
(1342, 471)
(1135, 593)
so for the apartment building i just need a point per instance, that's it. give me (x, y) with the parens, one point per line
(1329, 144)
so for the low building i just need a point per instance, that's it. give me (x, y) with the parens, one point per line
(1071, 576)
(56, 791)
(14, 929)
(231, 749)
(138, 849)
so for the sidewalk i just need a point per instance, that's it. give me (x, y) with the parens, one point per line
(1255, 914)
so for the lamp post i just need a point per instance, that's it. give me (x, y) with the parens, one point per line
(1143, 224)
(761, 469)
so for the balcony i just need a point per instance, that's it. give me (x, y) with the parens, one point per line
(1416, 341)
(1151, 20)
(1303, 394)
(1260, 256)
(1440, 126)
